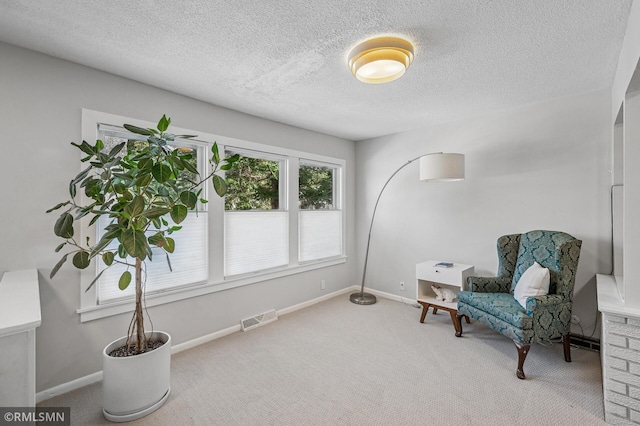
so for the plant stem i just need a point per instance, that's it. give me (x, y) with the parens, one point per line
(141, 343)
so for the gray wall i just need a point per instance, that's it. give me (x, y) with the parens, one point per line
(541, 166)
(40, 111)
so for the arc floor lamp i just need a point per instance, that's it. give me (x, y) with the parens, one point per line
(435, 167)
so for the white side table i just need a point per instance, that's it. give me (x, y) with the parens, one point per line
(453, 277)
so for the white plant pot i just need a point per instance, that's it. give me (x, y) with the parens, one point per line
(135, 386)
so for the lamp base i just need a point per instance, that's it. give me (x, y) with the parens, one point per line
(362, 298)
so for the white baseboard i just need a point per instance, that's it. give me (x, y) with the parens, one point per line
(390, 296)
(311, 302)
(204, 339)
(69, 386)
(97, 376)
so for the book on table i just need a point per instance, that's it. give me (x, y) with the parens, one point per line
(443, 265)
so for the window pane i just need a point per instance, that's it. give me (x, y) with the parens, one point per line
(188, 263)
(112, 136)
(316, 187)
(319, 217)
(320, 234)
(255, 240)
(253, 184)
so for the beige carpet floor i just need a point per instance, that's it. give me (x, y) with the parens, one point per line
(336, 363)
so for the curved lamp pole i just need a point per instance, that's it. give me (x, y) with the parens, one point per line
(440, 168)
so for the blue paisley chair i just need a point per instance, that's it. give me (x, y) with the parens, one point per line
(490, 299)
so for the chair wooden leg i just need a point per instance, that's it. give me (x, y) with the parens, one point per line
(523, 350)
(566, 343)
(467, 318)
(458, 323)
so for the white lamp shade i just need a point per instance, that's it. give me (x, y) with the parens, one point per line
(442, 167)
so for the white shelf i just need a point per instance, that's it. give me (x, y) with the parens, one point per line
(433, 301)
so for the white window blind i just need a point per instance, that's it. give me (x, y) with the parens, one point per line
(255, 240)
(186, 265)
(320, 234)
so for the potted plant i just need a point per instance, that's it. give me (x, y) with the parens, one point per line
(136, 185)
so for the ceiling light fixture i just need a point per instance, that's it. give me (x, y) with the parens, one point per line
(380, 59)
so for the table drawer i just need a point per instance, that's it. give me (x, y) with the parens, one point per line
(443, 275)
(454, 275)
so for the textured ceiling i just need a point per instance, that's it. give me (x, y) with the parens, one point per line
(285, 60)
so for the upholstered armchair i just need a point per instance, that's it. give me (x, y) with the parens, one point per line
(490, 300)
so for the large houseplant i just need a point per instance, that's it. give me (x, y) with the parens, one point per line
(137, 185)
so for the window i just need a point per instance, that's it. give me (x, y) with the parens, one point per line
(256, 221)
(187, 264)
(283, 214)
(320, 217)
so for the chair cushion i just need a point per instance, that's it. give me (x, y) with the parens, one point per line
(534, 282)
(501, 305)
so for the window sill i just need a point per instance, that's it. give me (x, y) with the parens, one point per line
(119, 307)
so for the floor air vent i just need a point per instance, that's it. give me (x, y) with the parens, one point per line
(258, 320)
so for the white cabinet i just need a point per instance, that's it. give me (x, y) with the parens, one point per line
(19, 317)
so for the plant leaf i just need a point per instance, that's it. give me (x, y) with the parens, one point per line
(169, 245)
(233, 158)
(189, 167)
(137, 130)
(157, 239)
(164, 122)
(64, 226)
(60, 246)
(135, 243)
(84, 147)
(104, 242)
(95, 219)
(143, 180)
(83, 174)
(125, 280)
(216, 155)
(179, 213)
(57, 206)
(95, 280)
(58, 265)
(72, 189)
(161, 172)
(116, 149)
(136, 206)
(81, 260)
(145, 163)
(155, 212)
(173, 229)
(107, 258)
(220, 185)
(189, 199)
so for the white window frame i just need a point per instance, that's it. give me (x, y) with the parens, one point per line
(338, 201)
(203, 150)
(283, 204)
(89, 310)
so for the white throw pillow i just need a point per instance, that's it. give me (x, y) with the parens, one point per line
(534, 282)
